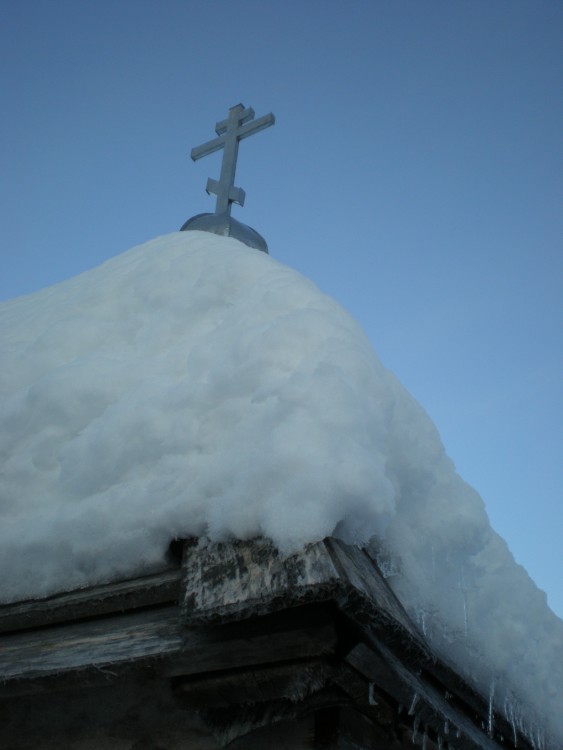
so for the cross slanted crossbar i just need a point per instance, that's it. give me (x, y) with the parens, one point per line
(239, 124)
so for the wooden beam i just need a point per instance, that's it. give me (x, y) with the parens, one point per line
(301, 633)
(231, 580)
(293, 680)
(143, 591)
(112, 645)
(99, 644)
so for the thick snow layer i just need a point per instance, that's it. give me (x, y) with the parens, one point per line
(194, 386)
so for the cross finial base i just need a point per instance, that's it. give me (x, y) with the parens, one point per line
(226, 226)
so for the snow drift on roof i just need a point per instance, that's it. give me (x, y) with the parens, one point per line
(194, 386)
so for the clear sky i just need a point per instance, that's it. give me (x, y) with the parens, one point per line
(414, 173)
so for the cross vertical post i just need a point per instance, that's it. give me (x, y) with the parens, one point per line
(239, 124)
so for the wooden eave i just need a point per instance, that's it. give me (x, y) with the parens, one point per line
(247, 637)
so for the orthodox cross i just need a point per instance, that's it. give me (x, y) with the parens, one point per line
(239, 124)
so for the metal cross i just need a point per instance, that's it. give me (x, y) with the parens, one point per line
(240, 124)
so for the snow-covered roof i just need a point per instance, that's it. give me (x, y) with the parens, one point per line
(196, 387)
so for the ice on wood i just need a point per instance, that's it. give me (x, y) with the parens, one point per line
(194, 386)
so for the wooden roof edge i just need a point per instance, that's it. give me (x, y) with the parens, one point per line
(118, 596)
(223, 583)
(200, 585)
(389, 631)
(231, 581)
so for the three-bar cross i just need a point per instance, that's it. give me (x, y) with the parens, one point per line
(239, 124)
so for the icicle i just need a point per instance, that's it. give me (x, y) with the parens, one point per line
(422, 620)
(446, 727)
(463, 589)
(440, 742)
(424, 739)
(415, 726)
(520, 724)
(371, 696)
(413, 704)
(465, 620)
(509, 713)
(400, 708)
(491, 717)
(387, 565)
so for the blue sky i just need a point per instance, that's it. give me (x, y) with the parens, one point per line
(414, 173)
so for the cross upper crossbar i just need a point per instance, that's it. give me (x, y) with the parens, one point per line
(239, 125)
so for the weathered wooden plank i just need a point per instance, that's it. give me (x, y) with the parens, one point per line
(353, 730)
(112, 642)
(236, 579)
(331, 728)
(421, 701)
(231, 579)
(131, 713)
(361, 573)
(143, 591)
(230, 724)
(366, 696)
(300, 633)
(98, 643)
(278, 735)
(293, 681)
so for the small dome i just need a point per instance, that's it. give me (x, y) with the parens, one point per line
(226, 226)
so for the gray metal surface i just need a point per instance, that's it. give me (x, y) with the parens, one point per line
(227, 227)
